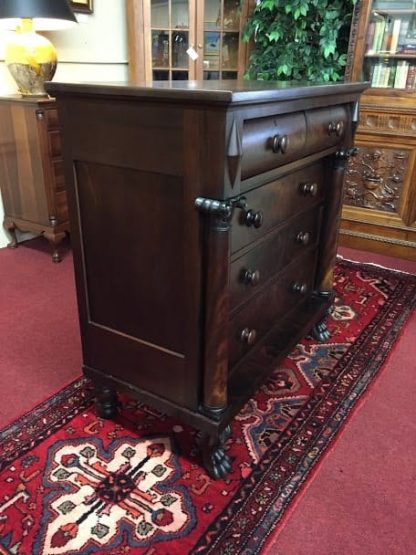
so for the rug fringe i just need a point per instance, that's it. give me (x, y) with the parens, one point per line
(374, 265)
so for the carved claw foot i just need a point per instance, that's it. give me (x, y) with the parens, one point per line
(320, 332)
(225, 434)
(217, 463)
(106, 403)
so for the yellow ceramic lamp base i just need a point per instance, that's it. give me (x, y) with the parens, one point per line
(31, 59)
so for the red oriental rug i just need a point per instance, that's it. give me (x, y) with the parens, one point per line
(71, 483)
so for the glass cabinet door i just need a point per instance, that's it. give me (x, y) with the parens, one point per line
(170, 39)
(221, 28)
(186, 39)
(390, 46)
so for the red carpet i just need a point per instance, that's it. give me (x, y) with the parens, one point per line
(61, 462)
(359, 501)
(40, 346)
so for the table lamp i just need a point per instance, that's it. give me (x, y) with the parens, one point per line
(31, 58)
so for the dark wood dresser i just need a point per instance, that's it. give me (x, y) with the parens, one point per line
(31, 170)
(204, 223)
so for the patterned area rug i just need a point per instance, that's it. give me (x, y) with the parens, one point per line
(72, 483)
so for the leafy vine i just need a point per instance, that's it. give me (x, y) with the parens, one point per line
(299, 39)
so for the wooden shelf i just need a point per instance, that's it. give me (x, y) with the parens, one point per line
(392, 56)
(394, 12)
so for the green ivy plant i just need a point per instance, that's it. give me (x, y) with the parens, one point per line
(299, 39)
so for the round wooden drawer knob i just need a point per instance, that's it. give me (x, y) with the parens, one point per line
(248, 336)
(336, 128)
(299, 288)
(308, 189)
(251, 277)
(280, 143)
(303, 238)
(252, 218)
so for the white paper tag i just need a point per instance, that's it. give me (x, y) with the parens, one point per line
(192, 53)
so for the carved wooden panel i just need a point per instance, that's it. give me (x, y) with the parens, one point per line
(405, 124)
(374, 178)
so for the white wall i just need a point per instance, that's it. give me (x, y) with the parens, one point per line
(94, 50)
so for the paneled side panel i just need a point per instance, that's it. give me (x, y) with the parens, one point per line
(132, 301)
(134, 281)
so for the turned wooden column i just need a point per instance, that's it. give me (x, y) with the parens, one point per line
(217, 217)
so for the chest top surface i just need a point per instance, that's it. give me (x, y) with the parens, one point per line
(219, 92)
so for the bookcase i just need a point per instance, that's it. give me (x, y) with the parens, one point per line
(390, 46)
(379, 209)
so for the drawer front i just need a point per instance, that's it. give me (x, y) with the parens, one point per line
(58, 175)
(51, 117)
(326, 127)
(248, 325)
(54, 144)
(272, 141)
(274, 203)
(251, 271)
(61, 206)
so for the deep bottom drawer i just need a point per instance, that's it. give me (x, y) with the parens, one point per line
(248, 325)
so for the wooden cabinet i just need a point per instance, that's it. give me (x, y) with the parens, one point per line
(186, 39)
(220, 208)
(379, 211)
(31, 170)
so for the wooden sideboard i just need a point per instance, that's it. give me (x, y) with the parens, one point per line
(204, 223)
(31, 170)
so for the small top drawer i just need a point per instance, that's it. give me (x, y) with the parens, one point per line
(268, 206)
(55, 146)
(52, 120)
(271, 142)
(326, 127)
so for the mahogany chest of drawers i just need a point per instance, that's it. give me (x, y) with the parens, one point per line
(204, 223)
(31, 170)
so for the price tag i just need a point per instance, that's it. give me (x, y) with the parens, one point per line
(192, 53)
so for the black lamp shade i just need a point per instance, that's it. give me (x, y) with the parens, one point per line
(41, 10)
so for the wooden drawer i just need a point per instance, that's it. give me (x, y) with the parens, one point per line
(251, 271)
(326, 127)
(272, 141)
(265, 309)
(52, 119)
(275, 202)
(54, 144)
(58, 175)
(61, 205)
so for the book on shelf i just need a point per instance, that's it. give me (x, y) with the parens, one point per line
(379, 28)
(402, 69)
(395, 33)
(398, 75)
(383, 75)
(388, 35)
(407, 48)
(411, 78)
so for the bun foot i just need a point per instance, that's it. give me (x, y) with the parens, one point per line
(106, 403)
